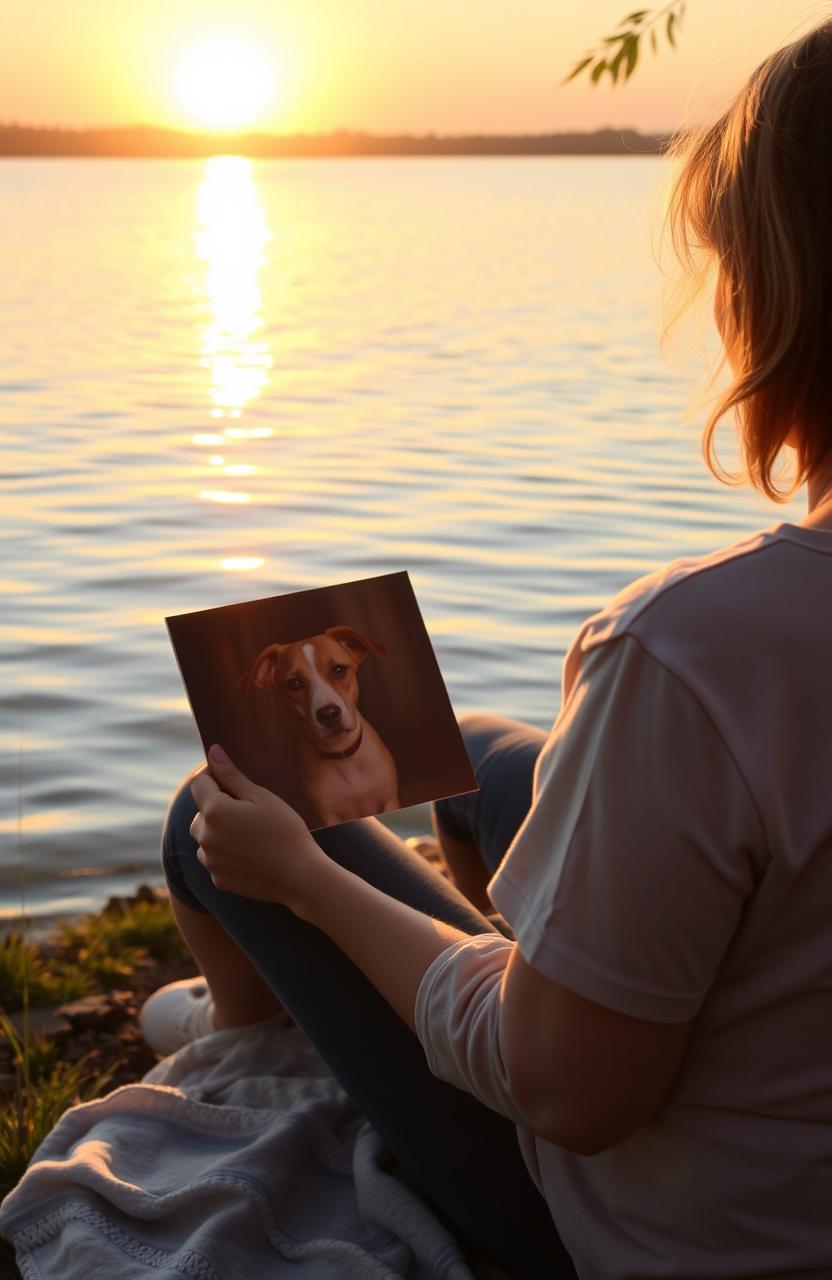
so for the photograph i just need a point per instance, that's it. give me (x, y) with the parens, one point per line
(331, 697)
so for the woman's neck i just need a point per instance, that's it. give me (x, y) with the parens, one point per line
(819, 492)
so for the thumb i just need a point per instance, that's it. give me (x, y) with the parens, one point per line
(230, 778)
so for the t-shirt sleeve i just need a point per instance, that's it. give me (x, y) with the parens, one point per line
(627, 880)
(458, 1019)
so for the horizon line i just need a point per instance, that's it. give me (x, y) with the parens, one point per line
(160, 142)
(334, 131)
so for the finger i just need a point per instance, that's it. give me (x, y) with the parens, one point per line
(196, 828)
(230, 778)
(203, 789)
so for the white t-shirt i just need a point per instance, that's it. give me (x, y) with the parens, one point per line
(676, 863)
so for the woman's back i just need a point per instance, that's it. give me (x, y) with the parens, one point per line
(711, 899)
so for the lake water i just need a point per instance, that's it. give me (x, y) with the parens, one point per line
(222, 380)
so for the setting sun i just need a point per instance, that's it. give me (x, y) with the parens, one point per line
(224, 83)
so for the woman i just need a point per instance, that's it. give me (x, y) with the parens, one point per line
(659, 1031)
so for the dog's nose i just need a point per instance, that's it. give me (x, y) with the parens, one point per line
(328, 715)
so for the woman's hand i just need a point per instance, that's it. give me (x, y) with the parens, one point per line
(251, 841)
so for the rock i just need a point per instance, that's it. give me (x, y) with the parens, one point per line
(48, 1020)
(152, 893)
(117, 905)
(92, 1011)
(125, 1001)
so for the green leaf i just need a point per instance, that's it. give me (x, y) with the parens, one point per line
(631, 49)
(576, 71)
(598, 70)
(615, 65)
(671, 22)
(635, 18)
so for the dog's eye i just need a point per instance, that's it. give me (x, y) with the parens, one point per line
(339, 670)
(294, 683)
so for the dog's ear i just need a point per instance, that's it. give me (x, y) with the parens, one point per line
(356, 643)
(260, 674)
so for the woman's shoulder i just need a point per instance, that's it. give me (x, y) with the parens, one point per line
(760, 582)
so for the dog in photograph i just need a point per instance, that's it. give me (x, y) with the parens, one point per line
(346, 770)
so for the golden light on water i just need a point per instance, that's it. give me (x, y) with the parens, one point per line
(241, 564)
(247, 433)
(225, 495)
(231, 238)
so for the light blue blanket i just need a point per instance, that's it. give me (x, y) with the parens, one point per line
(239, 1156)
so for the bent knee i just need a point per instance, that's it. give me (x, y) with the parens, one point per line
(483, 733)
(176, 828)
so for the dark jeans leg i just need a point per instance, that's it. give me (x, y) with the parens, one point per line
(503, 754)
(463, 1157)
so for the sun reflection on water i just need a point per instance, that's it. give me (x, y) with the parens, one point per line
(231, 239)
(242, 564)
(225, 495)
(247, 433)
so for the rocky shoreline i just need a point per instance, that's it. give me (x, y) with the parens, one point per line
(93, 1038)
(102, 1027)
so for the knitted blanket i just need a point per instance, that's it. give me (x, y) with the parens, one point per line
(238, 1156)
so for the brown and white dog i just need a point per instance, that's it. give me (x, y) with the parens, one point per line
(346, 770)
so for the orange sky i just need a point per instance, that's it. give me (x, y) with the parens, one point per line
(381, 65)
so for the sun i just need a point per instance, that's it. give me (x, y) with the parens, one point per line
(224, 83)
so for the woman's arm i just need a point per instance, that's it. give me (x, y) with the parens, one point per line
(586, 1076)
(569, 1070)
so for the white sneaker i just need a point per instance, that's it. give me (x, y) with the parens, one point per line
(177, 1014)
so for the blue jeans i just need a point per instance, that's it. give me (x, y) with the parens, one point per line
(462, 1157)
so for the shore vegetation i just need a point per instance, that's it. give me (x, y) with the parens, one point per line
(69, 1019)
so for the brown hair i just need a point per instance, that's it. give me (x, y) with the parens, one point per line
(753, 200)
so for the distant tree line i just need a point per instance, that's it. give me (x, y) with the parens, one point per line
(141, 141)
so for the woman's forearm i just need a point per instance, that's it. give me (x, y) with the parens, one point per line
(394, 945)
(391, 943)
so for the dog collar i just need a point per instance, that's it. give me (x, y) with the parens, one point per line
(343, 755)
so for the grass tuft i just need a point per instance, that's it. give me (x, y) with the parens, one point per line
(116, 939)
(26, 977)
(45, 1088)
(102, 949)
(98, 951)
